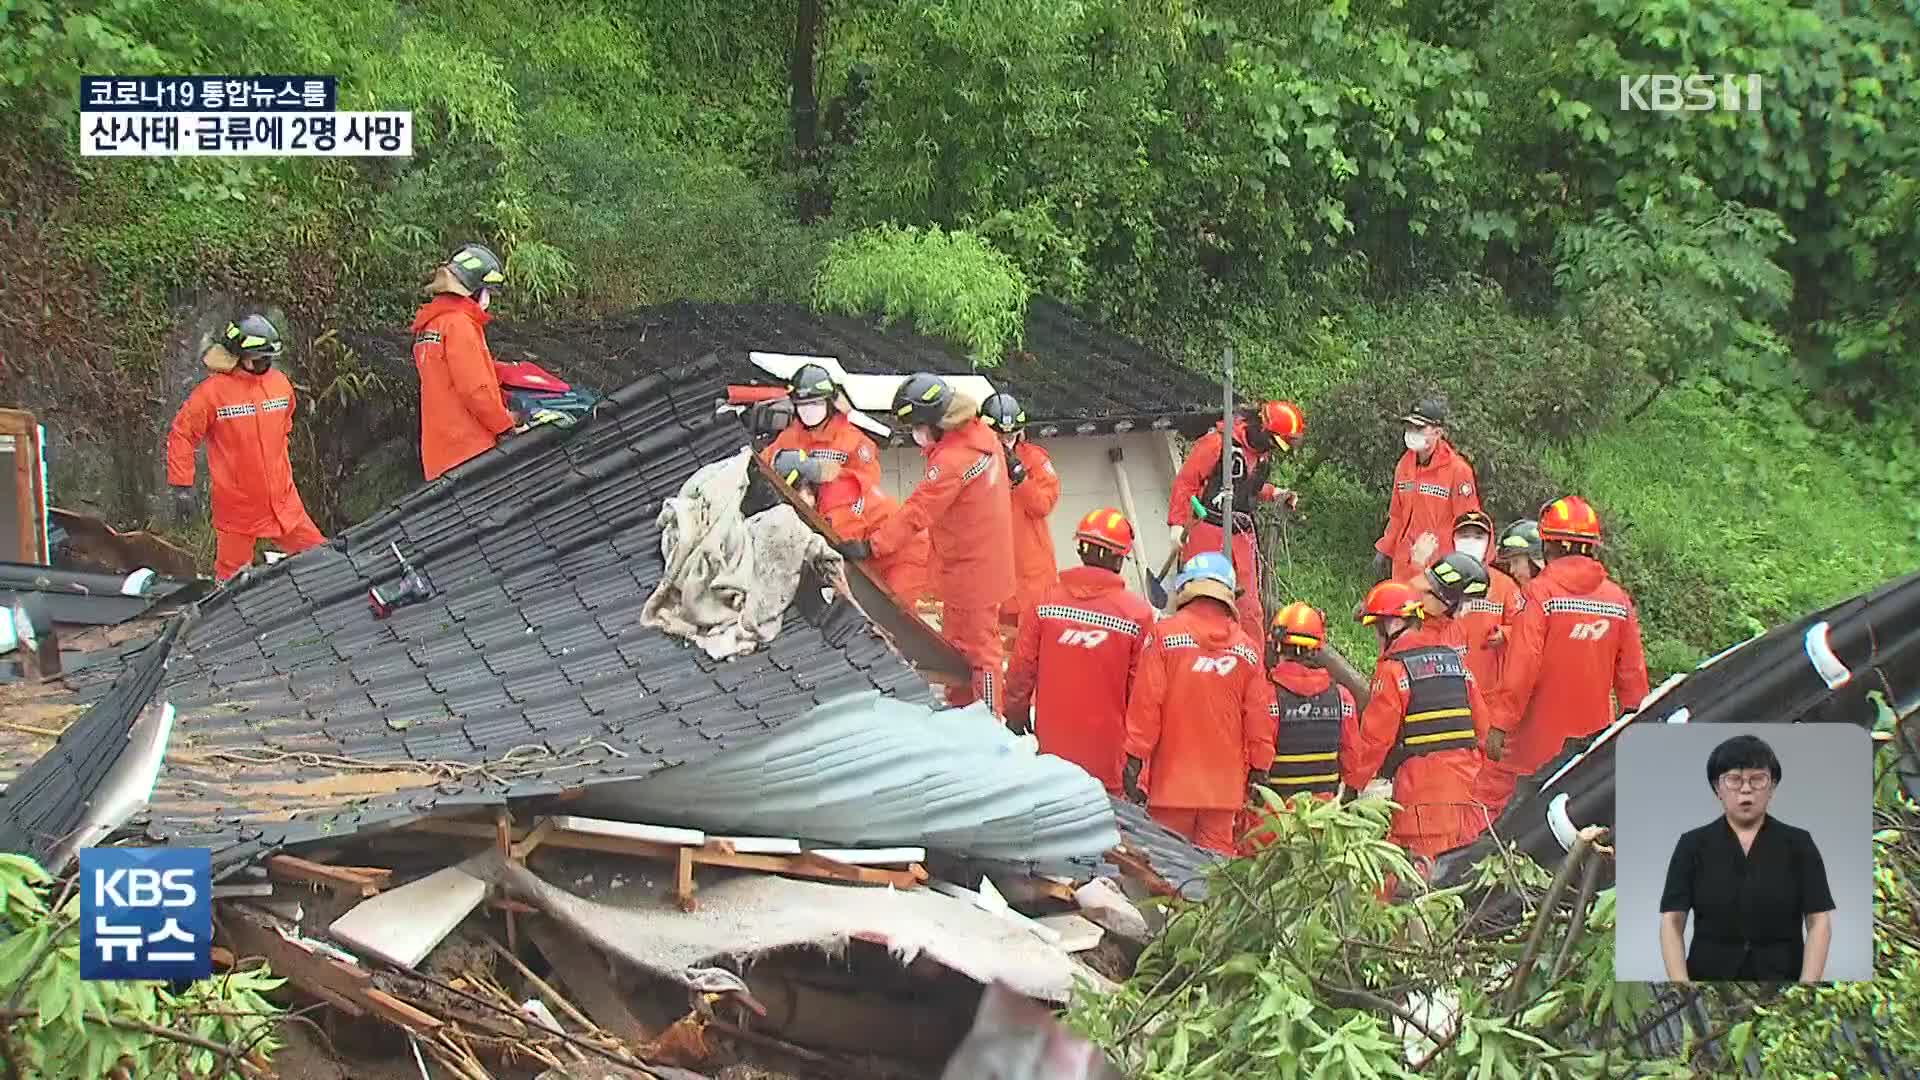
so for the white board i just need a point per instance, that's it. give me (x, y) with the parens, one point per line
(658, 834)
(401, 926)
(868, 393)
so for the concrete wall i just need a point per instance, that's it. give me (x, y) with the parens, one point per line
(1087, 482)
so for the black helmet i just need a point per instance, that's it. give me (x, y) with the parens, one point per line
(476, 267)
(811, 382)
(252, 337)
(1522, 538)
(1003, 413)
(1456, 578)
(922, 398)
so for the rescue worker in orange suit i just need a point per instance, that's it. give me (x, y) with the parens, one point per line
(1432, 486)
(823, 429)
(1484, 619)
(1574, 661)
(854, 510)
(964, 504)
(1313, 716)
(243, 411)
(462, 411)
(1075, 657)
(1199, 714)
(1036, 491)
(1418, 727)
(1449, 589)
(1199, 503)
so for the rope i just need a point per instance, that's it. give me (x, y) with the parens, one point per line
(496, 770)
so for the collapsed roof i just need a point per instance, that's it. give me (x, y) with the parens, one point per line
(288, 713)
(1070, 374)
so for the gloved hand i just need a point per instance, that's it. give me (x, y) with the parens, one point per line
(1177, 536)
(186, 504)
(1016, 470)
(1498, 635)
(1255, 778)
(1270, 493)
(1496, 744)
(1130, 781)
(1020, 719)
(1382, 567)
(857, 550)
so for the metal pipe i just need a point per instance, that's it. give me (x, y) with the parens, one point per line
(1226, 464)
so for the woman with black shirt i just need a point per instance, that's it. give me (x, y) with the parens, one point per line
(1750, 881)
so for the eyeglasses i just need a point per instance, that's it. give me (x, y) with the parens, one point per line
(1750, 783)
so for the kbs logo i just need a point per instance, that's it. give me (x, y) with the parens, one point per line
(1218, 665)
(1590, 631)
(1085, 639)
(146, 913)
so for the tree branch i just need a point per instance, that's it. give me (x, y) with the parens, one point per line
(228, 1054)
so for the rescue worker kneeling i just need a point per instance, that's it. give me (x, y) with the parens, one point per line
(243, 411)
(1075, 657)
(855, 508)
(1314, 718)
(1418, 727)
(962, 503)
(1199, 713)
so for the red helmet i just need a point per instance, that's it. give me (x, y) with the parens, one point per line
(1569, 520)
(1284, 421)
(1391, 600)
(1299, 624)
(1107, 529)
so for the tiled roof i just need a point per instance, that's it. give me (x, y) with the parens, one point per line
(527, 674)
(1070, 372)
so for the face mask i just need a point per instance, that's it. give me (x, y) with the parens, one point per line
(1418, 440)
(485, 298)
(1475, 546)
(812, 413)
(923, 436)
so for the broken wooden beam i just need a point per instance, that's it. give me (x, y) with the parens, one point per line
(356, 880)
(396, 1011)
(1138, 868)
(334, 981)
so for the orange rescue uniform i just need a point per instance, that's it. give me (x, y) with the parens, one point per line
(245, 420)
(1074, 662)
(1433, 788)
(855, 509)
(1427, 499)
(837, 440)
(1201, 466)
(462, 412)
(1199, 719)
(1033, 500)
(1479, 618)
(1574, 664)
(963, 504)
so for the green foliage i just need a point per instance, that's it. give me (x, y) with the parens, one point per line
(1294, 967)
(84, 1029)
(951, 284)
(1837, 127)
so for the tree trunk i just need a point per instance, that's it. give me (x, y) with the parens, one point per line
(805, 106)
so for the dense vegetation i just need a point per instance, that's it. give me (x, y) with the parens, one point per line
(1705, 322)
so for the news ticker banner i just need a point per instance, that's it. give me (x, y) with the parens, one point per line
(232, 116)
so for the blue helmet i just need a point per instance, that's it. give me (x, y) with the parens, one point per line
(1209, 573)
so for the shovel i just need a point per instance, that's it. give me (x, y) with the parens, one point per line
(1157, 585)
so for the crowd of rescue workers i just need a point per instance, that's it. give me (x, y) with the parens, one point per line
(1501, 653)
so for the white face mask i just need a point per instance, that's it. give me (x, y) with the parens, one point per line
(923, 436)
(1473, 545)
(1418, 440)
(485, 298)
(812, 413)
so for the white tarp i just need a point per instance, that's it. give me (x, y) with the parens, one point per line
(729, 578)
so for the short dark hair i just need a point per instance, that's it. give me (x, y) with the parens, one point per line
(1742, 752)
(1104, 558)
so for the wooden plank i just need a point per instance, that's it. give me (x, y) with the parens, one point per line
(526, 845)
(324, 977)
(658, 834)
(399, 1012)
(801, 865)
(683, 878)
(294, 868)
(585, 973)
(1138, 868)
